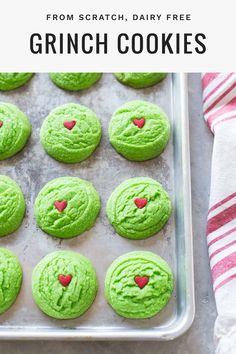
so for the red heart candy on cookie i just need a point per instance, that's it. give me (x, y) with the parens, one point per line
(140, 202)
(141, 281)
(64, 279)
(139, 122)
(60, 205)
(69, 124)
(1, 123)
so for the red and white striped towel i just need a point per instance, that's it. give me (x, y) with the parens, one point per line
(219, 106)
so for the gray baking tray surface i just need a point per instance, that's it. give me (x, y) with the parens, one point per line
(33, 168)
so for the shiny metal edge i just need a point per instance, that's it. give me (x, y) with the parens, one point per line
(185, 320)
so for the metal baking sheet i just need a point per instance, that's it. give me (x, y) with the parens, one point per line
(32, 168)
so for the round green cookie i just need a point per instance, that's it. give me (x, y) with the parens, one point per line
(138, 208)
(12, 206)
(11, 81)
(10, 279)
(140, 80)
(15, 130)
(70, 133)
(66, 207)
(64, 284)
(75, 81)
(139, 130)
(138, 284)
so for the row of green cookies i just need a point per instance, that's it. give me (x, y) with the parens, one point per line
(138, 130)
(68, 206)
(80, 81)
(138, 284)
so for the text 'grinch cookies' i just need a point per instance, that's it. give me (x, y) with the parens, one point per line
(70, 133)
(75, 81)
(11, 81)
(138, 208)
(66, 207)
(64, 284)
(139, 130)
(140, 80)
(15, 130)
(10, 279)
(138, 284)
(12, 206)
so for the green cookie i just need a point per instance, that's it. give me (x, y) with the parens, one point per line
(11, 81)
(64, 284)
(139, 130)
(15, 130)
(70, 133)
(75, 81)
(140, 80)
(138, 208)
(10, 279)
(66, 207)
(138, 284)
(12, 206)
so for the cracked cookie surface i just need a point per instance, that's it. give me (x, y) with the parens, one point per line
(70, 133)
(12, 206)
(11, 81)
(15, 130)
(138, 208)
(66, 207)
(139, 130)
(57, 297)
(74, 81)
(10, 279)
(140, 80)
(138, 284)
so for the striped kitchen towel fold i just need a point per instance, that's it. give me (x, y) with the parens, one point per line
(219, 107)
